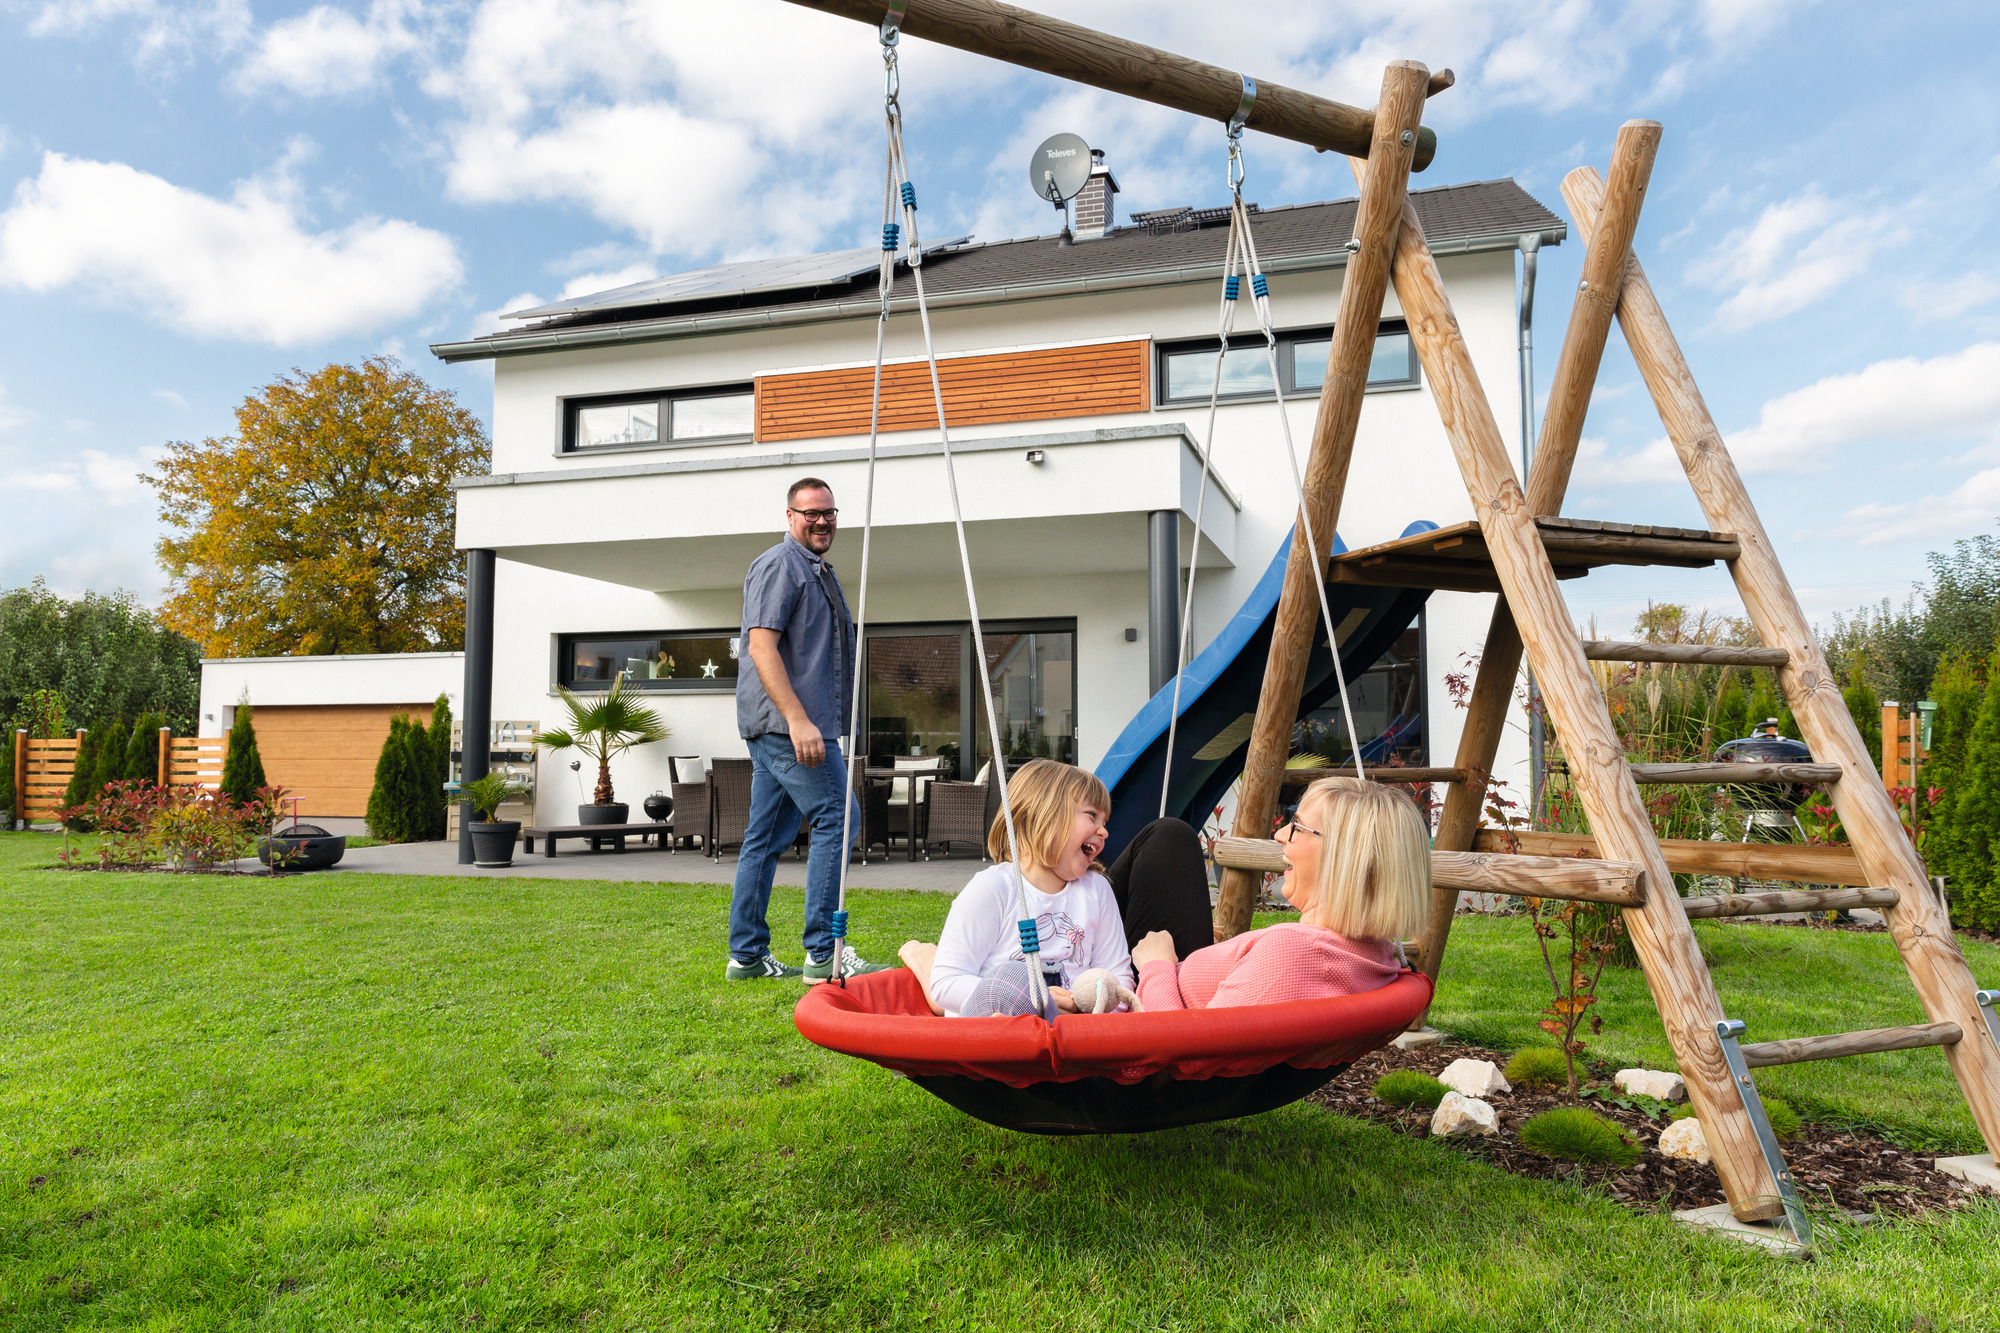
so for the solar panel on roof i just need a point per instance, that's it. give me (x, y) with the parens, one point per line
(746, 277)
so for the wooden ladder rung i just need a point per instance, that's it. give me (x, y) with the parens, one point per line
(1759, 1055)
(1305, 777)
(1670, 775)
(1701, 654)
(1803, 900)
(1619, 882)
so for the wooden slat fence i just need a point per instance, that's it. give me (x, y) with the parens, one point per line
(195, 761)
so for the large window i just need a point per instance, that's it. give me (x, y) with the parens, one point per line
(923, 698)
(653, 420)
(1388, 712)
(1187, 370)
(698, 660)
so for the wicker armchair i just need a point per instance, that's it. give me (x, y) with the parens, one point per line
(693, 816)
(871, 797)
(729, 803)
(955, 812)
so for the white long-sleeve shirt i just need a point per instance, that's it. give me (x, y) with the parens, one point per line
(1079, 928)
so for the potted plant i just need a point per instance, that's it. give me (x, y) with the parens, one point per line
(607, 727)
(493, 838)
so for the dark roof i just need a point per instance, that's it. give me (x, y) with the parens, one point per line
(1163, 248)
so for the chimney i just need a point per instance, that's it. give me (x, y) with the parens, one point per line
(1093, 202)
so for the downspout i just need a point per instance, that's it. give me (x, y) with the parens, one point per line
(1529, 243)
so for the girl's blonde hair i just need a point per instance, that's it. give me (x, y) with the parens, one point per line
(1045, 796)
(1374, 861)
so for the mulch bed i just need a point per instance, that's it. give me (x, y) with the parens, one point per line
(1856, 1172)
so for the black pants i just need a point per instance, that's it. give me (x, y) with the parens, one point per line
(1161, 883)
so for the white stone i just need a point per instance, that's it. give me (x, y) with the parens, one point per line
(1774, 1236)
(1975, 1170)
(1475, 1078)
(1651, 1083)
(1684, 1138)
(1418, 1040)
(1459, 1116)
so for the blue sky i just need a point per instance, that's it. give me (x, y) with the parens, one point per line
(198, 198)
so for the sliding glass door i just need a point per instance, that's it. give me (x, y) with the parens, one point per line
(923, 699)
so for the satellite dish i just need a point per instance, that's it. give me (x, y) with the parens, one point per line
(1059, 168)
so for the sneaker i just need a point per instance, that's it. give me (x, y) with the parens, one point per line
(763, 968)
(852, 965)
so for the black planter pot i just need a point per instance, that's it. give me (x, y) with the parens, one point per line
(493, 844)
(302, 847)
(602, 814)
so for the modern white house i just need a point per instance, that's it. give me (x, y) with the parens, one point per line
(644, 440)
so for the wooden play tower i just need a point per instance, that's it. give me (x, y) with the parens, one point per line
(1519, 546)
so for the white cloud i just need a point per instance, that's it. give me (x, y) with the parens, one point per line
(166, 32)
(1948, 298)
(171, 397)
(11, 416)
(1795, 253)
(106, 479)
(242, 267)
(1904, 401)
(329, 52)
(1973, 504)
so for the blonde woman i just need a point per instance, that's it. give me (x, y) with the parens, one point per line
(1359, 858)
(977, 967)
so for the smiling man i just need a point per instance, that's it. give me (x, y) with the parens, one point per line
(791, 711)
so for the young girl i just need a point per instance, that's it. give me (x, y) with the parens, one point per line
(976, 966)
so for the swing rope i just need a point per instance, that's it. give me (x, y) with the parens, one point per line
(1241, 250)
(901, 191)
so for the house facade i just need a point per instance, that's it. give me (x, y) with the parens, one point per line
(644, 439)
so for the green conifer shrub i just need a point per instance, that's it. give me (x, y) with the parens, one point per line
(1538, 1068)
(1764, 704)
(1958, 691)
(383, 821)
(7, 779)
(1410, 1090)
(1572, 1134)
(1865, 708)
(80, 788)
(110, 763)
(242, 767)
(440, 732)
(1732, 714)
(423, 801)
(1975, 823)
(142, 751)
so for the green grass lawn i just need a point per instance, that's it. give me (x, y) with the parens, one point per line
(362, 1102)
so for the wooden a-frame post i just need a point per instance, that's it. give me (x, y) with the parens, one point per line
(1923, 935)
(1682, 989)
(1362, 289)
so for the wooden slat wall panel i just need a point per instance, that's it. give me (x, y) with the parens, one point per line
(45, 775)
(325, 754)
(1006, 386)
(196, 761)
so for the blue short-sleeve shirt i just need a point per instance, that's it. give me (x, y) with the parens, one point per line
(793, 591)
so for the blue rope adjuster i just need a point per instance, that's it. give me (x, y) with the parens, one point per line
(1231, 288)
(1030, 938)
(1259, 286)
(892, 233)
(840, 925)
(909, 195)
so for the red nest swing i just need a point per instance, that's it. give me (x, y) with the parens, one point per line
(1108, 1073)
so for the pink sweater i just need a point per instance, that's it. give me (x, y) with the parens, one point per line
(1288, 961)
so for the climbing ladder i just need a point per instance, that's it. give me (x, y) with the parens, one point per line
(1520, 547)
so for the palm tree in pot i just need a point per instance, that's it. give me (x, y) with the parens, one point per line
(492, 837)
(601, 730)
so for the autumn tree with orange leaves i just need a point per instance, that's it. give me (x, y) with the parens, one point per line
(324, 525)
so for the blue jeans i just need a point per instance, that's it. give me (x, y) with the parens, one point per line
(781, 791)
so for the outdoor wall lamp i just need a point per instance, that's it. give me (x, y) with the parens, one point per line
(1037, 456)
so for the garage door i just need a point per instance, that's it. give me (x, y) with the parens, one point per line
(325, 754)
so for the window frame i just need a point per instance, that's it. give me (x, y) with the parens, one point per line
(563, 662)
(972, 704)
(1288, 340)
(664, 400)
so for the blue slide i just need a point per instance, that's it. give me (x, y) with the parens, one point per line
(1219, 692)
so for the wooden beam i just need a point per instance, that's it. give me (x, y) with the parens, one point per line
(1562, 429)
(1305, 777)
(1798, 1050)
(1692, 775)
(1681, 986)
(1698, 856)
(1618, 883)
(1616, 548)
(1361, 293)
(1770, 904)
(1922, 933)
(1590, 317)
(1698, 654)
(1082, 55)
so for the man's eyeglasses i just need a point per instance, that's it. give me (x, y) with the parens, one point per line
(816, 516)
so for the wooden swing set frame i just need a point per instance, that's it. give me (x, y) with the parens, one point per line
(1515, 522)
